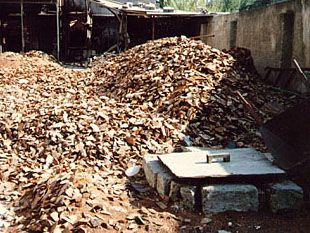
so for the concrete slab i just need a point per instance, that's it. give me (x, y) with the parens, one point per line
(243, 162)
(223, 197)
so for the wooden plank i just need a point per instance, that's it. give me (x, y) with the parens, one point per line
(302, 74)
(201, 36)
(243, 162)
(251, 110)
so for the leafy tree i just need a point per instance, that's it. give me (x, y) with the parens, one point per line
(246, 4)
(184, 5)
(213, 6)
(226, 5)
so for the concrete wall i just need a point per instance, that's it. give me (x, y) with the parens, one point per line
(275, 35)
(306, 30)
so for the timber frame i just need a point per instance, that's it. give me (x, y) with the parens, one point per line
(23, 25)
(121, 13)
(58, 5)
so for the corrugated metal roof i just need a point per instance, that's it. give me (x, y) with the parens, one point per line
(140, 11)
(29, 1)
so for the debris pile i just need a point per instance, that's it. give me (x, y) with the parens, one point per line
(53, 129)
(244, 60)
(192, 83)
(67, 136)
(172, 76)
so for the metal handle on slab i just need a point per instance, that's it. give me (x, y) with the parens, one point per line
(224, 155)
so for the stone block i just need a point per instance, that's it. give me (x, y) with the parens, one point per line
(223, 197)
(152, 166)
(174, 193)
(163, 183)
(284, 195)
(188, 194)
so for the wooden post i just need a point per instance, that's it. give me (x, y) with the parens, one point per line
(125, 31)
(119, 18)
(120, 35)
(22, 24)
(1, 35)
(89, 23)
(58, 28)
(153, 29)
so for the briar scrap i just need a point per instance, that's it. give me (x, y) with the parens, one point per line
(66, 137)
(192, 83)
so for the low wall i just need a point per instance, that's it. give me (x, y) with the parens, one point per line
(275, 35)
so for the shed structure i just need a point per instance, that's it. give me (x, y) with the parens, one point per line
(77, 29)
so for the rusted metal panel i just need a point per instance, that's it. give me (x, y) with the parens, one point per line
(141, 11)
(288, 137)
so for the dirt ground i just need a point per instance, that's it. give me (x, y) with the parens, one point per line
(132, 211)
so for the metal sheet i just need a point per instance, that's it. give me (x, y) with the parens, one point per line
(288, 136)
(118, 6)
(243, 162)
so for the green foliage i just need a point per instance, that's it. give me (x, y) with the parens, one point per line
(246, 4)
(229, 5)
(183, 5)
(226, 5)
(216, 6)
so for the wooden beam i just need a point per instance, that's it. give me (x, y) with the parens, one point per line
(125, 32)
(153, 28)
(58, 28)
(251, 110)
(302, 74)
(89, 23)
(201, 36)
(22, 24)
(1, 35)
